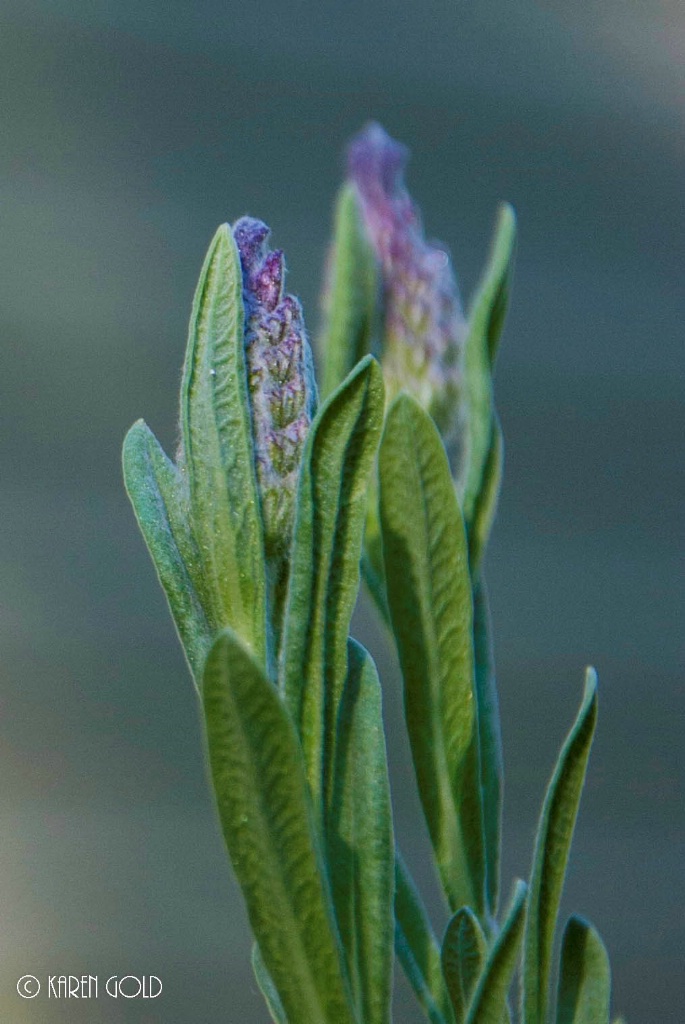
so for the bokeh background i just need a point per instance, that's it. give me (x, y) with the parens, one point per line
(130, 129)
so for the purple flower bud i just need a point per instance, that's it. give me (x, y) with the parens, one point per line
(424, 326)
(281, 383)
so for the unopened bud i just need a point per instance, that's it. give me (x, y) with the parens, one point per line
(281, 384)
(424, 328)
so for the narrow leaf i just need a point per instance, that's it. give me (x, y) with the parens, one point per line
(160, 503)
(464, 951)
(485, 505)
(267, 987)
(351, 298)
(418, 950)
(373, 570)
(217, 451)
(584, 978)
(429, 594)
(324, 577)
(489, 306)
(552, 846)
(489, 1004)
(486, 319)
(490, 741)
(263, 803)
(360, 840)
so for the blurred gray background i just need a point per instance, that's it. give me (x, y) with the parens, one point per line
(130, 129)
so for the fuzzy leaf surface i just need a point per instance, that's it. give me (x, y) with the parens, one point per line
(490, 741)
(552, 847)
(217, 449)
(584, 978)
(464, 952)
(351, 297)
(429, 594)
(360, 840)
(263, 802)
(418, 950)
(352, 323)
(489, 1003)
(324, 578)
(155, 488)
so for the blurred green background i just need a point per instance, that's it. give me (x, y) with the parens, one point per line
(130, 129)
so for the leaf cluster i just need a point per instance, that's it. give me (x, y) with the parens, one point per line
(292, 704)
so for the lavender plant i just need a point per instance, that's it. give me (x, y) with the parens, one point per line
(260, 530)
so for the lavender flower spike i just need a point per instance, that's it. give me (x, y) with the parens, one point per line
(424, 327)
(281, 385)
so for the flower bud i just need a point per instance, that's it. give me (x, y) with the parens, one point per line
(424, 328)
(281, 385)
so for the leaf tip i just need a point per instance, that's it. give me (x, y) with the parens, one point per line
(506, 217)
(136, 435)
(591, 686)
(222, 239)
(136, 428)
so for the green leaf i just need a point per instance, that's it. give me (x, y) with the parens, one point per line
(324, 576)
(160, 503)
(486, 500)
(373, 570)
(418, 950)
(486, 319)
(585, 977)
(489, 1004)
(360, 840)
(552, 846)
(261, 792)
(267, 987)
(351, 296)
(464, 951)
(352, 323)
(489, 306)
(217, 451)
(490, 741)
(429, 594)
